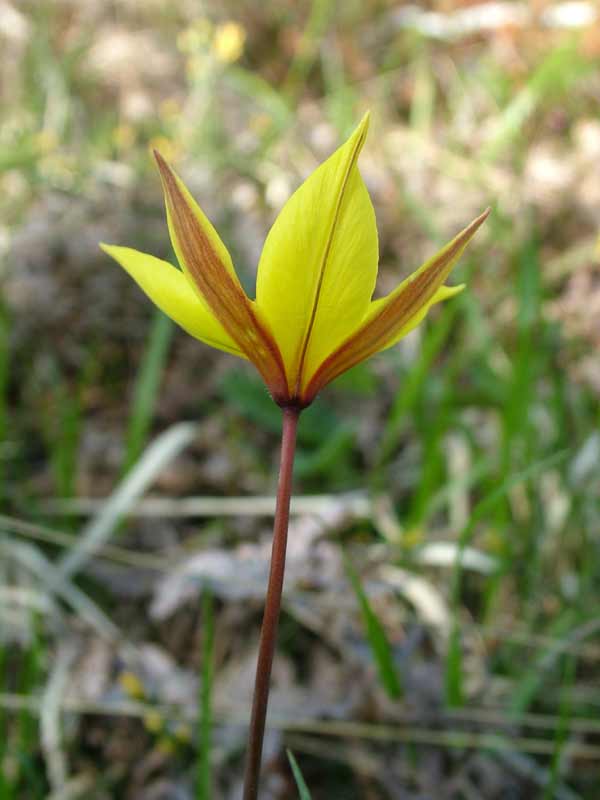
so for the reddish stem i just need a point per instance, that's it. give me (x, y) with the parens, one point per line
(272, 604)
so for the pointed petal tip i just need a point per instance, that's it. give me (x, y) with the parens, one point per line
(114, 250)
(357, 138)
(361, 130)
(161, 162)
(117, 251)
(120, 252)
(473, 226)
(484, 215)
(457, 288)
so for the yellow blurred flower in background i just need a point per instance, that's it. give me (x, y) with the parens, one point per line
(170, 109)
(228, 42)
(171, 149)
(132, 685)
(46, 141)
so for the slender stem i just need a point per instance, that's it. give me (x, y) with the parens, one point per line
(272, 605)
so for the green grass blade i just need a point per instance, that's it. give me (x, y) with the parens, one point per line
(562, 728)
(4, 368)
(65, 442)
(411, 386)
(453, 676)
(307, 52)
(147, 386)
(422, 109)
(566, 629)
(554, 77)
(30, 676)
(101, 527)
(300, 782)
(5, 787)
(380, 646)
(453, 673)
(204, 781)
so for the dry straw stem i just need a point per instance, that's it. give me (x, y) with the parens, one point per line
(588, 651)
(361, 730)
(357, 504)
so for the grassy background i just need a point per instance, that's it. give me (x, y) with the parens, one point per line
(404, 670)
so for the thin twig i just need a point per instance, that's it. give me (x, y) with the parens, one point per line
(356, 503)
(335, 728)
(50, 717)
(164, 562)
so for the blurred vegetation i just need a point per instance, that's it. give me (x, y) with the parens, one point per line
(453, 651)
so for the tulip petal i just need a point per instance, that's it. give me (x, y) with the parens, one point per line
(391, 317)
(208, 266)
(318, 267)
(212, 257)
(443, 293)
(169, 289)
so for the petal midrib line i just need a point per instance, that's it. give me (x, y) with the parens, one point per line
(324, 260)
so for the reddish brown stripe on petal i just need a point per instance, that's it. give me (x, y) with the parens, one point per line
(222, 292)
(380, 329)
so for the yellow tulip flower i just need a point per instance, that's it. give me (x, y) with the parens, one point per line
(313, 317)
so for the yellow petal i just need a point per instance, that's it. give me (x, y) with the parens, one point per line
(443, 293)
(318, 267)
(213, 254)
(168, 288)
(391, 317)
(206, 262)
